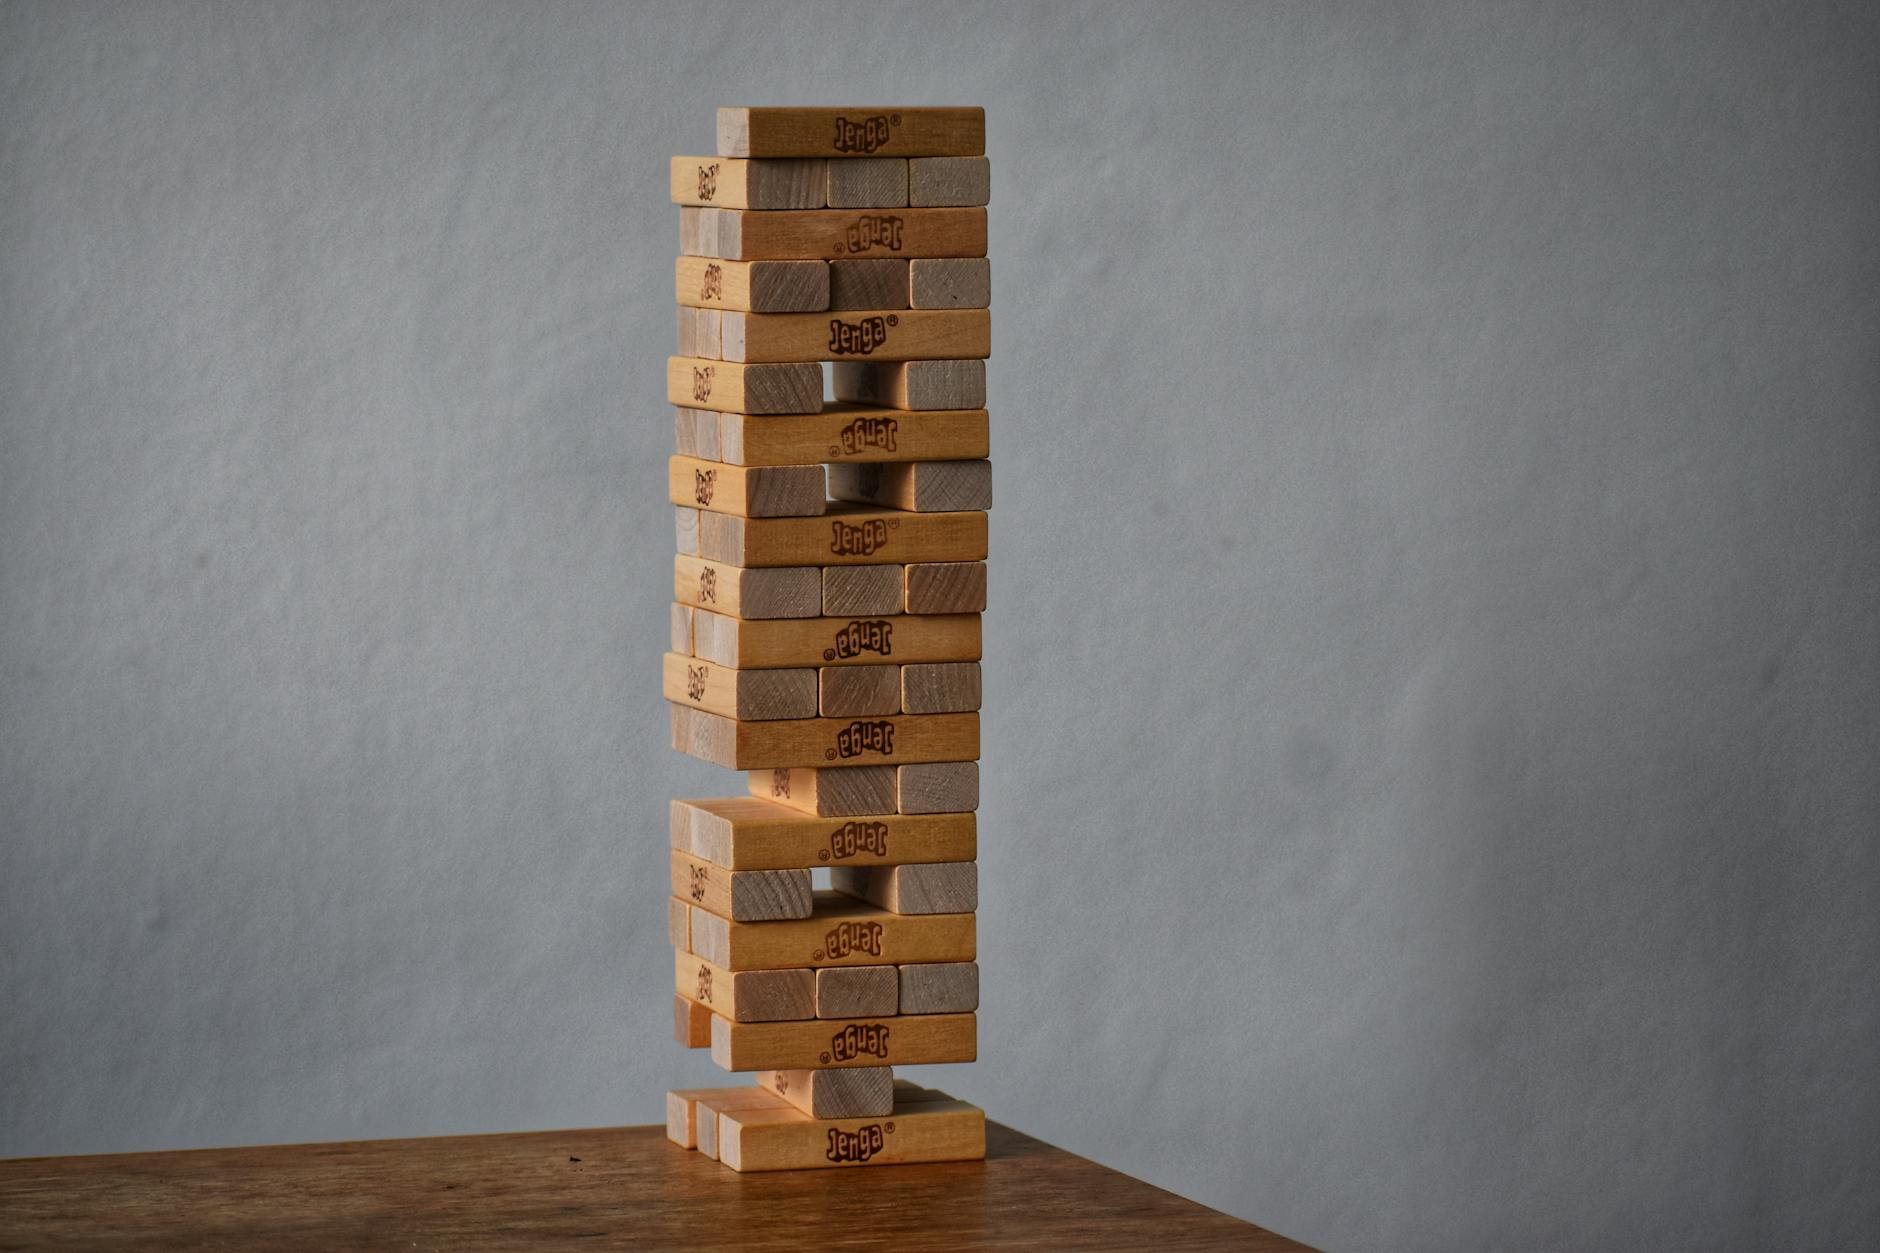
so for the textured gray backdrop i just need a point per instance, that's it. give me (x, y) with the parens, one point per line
(1433, 781)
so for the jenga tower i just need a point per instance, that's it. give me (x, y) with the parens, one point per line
(830, 647)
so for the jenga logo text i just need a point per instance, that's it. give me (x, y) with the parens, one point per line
(858, 339)
(857, 539)
(874, 635)
(874, 230)
(869, 433)
(708, 183)
(858, 1038)
(712, 285)
(780, 784)
(700, 877)
(695, 677)
(852, 937)
(704, 996)
(865, 135)
(865, 737)
(852, 838)
(704, 483)
(708, 586)
(855, 1146)
(702, 383)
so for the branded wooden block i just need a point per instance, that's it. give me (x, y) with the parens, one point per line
(848, 534)
(736, 183)
(691, 1023)
(887, 131)
(920, 486)
(866, 183)
(852, 1092)
(790, 387)
(700, 332)
(831, 234)
(857, 691)
(942, 687)
(861, 591)
(844, 432)
(838, 793)
(880, 335)
(757, 833)
(912, 384)
(752, 286)
(741, 895)
(714, 1105)
(942, 787)
(940, 988)
(949, 283)
(748, 491)
(933, 181)
(950, 887)
(927, 1131)
(678, 924)
(831, 1043)
(868, 284)
(682, 627)
(751, 695)
(757, 592)
(858, 991)
(770, 643)
(944, 587)
(751, 745)
(842, 931)
(685, 530)
(747, 995)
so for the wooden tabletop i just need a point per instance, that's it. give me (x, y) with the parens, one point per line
(626, 1187)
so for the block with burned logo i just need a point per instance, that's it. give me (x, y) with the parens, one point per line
(754, 833)
(950, 887)
(949, 283)
(753, 695)
(936, 181)
(753, 286)
(751, 591)
(885, 131)
(944, 587)
(942, 1130)
(793, 387)
(848, 534)
(851, 1092)
(869, 283)
(880, 335)
(747, 995)
(833, 234)
(858, 991)
(845, 432)
(831, 1042)
(870, 591)
(940, 988)
(744, 895)
(839, 792)
(739, 183)
(899, 639)
(866, 183)
(748, 745)
(691, 1023)
(922, 486)
(938, 787)
(750, 491)
(854, 691)
(944, 687)
(841, 931)
(911, 384)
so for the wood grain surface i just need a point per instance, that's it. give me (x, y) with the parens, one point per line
(846, 432)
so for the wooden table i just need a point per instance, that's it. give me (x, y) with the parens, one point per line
(626, 1187)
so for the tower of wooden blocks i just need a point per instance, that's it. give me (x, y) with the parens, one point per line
(826, 628)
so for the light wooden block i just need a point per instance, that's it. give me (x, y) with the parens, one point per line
(834, 1043)
(852, 1092)
(730, 386)
(866, 183)
(859, 691)
(694, 225)
(736, 183)
(695, 433)
(930, 1131)
(678, 924)
(861, 591)
(880, 335)
(844, 432)
(743, 744)
(747, 995)
(757, 833)
(940, 181)
(949, 587)
(919, 486)
(831, 234)
(681, 1109)
(741, 895)
(949, 283)
(880, 283)
(757, 592)
(748, 491)
(912, 384)
(841, 793)
(940, 687)
(950, 887)
(940, 988)
(794, 642)
(897, 131)
(848, 534)
(858, 991)
(942, 787)
(752, 286)
(691, 1023)
(841, 932)
(700, 332)
(682, 625)
(748, 695)
(685, 530)
(713, 1106)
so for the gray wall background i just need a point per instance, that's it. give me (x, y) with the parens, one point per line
(1433, 782)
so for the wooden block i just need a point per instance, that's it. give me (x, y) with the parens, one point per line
(841, 932)
(880, 335)
(866, 183)
(715, 1104)
(741, 895)
(747, 995)
(930, 1131)
(752, 286)
(829, 234)
(944, 587)
(859, 691)
(756, 833)
(833, 1043)
(878, 283)
(950, 887)
(692, 230)
(912, 384)
(696, 433)
(861, 591)
(735, 183)
(791, 642)
(859, 991)
(750, 695)
(940, 687)
(750, 491)
(919, 486)
(851, 132)
(852, 1092)
(758, 592)
(678, 924)
(793, 387)
(937, 181)
(847, 535)
(845, 792)
(681, 1110)
(949, 283)
(741, 744)
(682, 625)
(942, 787)
(700, 332)
(685, 530)
(844, 432)
(691, 1023)
(940, 988)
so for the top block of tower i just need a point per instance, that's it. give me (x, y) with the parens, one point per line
(852, 132)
